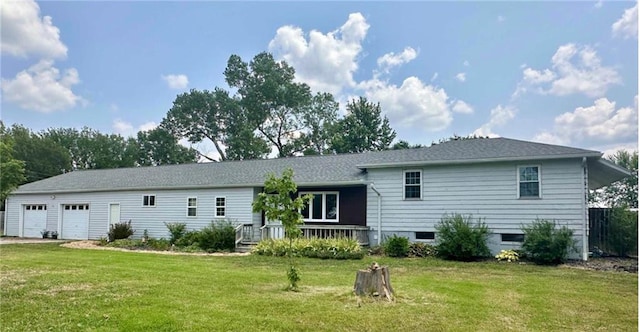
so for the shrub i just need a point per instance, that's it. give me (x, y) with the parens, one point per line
(332, 248)
(176, 230)
(376, 250)
(190, 238)
(623, 231)
(396, 246)
(158, 244)
(420, 249)
(546, 244)
(218, 236)
(508, 255)
(121, 230)
(459, 239)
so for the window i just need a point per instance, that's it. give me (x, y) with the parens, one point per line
(323, 207)
(512, 237)
(425, 236)
(35, 207)
(413, 184)
(221, 207)
(192, 207)
(529, 182)
(149, 200)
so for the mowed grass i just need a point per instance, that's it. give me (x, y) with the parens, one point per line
(46, 287)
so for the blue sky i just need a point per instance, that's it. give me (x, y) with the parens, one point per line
(562, 73)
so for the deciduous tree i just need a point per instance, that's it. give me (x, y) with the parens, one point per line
(362, 129)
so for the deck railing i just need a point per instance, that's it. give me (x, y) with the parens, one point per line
(360, 233)
(244, 233)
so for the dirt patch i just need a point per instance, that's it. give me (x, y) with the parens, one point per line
(94, 246)
(606, 264)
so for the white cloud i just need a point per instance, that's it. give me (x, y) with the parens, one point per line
(390, 60)
(461, 77)
(413, 104)
(42, 88)
(26, 33)
(465, 63)
(499, 117)
(127, 129)
(574, 70)
(325, 61)
(627, 25)
(600, 123)
(461, 107)
(434, 77)
(177, 82)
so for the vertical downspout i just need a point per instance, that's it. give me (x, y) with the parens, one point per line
(379, 213)
(585, 211)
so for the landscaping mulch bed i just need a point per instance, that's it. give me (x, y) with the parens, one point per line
(606, 264)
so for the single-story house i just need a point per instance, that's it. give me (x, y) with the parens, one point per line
(371, 195)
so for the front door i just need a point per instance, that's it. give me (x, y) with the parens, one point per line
(114, 213)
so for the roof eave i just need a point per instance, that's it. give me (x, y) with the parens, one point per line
(230, 186)
(477, 161)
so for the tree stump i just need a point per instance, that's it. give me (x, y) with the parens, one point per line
(374, 282)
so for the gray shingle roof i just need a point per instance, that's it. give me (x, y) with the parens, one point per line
(318, 170)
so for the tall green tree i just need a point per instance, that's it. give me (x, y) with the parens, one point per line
(362, 129)
(158, 147)
(12, 171)
(42, 156)
(625, 191)
(277, 203)
(319, 120)
(275, 104)
(402, 144)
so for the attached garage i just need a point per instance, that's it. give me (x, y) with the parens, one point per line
(75, 222)
(34, 220)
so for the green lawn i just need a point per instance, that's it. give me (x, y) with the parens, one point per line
(47, 287)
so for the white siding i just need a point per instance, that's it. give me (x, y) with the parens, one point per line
(171, 206)
(486, 191)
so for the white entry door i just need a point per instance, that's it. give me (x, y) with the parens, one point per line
(114, 213)
(75, 222)
(34, 220)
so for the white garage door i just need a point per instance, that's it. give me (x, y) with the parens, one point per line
(34, 220)
(75, 222)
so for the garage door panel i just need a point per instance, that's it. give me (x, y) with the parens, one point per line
(34, 220)
(75, 221)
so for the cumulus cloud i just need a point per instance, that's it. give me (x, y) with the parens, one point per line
(461, 77)
(627, 26)
(177, 82)
(574, 70)
(499, 117)
(598, 123)
(127, 129)
(460, 106)
(26, 33)
(390, 60)
(412, 104)
(326, 62)
(42, 88)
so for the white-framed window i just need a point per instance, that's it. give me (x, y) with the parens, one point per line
(148, 200)
(413, 184)
(529, 179)
(323, 207)
(221, 207)
(192, 207)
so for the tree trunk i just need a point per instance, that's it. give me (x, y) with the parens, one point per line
(374, 281)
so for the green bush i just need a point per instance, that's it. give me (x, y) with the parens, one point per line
(190, 238)
(623, 231)
(121, 230)
(396, 246)
(176, 230)
(420, 249)
(459, 239)
(141, 244)
(376, 250)
(546, 244)
(332, 248)
(158, 244)
(218, 236)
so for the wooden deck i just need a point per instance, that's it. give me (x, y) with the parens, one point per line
(246, 234)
